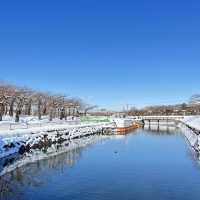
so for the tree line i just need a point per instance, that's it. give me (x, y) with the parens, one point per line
(192, 107)
(16, 101)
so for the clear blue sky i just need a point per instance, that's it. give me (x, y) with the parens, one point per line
(109, 52)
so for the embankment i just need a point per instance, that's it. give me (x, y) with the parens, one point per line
(20, 141)
(191, 129)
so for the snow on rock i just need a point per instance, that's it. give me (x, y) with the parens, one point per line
(191, 136)
(21, 140)
(192, 121)
(9, 146)
(55, 149)
(191, 130)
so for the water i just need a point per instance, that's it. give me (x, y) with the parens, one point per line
(154, 163)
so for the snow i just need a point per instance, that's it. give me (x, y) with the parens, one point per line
(123, 122)
(30, 131)
(12, 139)
(192, 121)
(36, 155)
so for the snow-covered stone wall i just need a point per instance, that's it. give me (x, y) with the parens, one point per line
(192, 121)
(191, 129)
(13, 162)
(25, 140)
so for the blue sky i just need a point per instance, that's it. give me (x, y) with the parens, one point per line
(108, 52)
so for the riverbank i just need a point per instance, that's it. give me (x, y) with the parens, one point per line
(23, 140)
(161, 161)
(44, 133)
(190, 126)
(39, 134)
(12, 162)
(192, 122)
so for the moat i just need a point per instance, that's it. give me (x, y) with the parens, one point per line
(151, 163)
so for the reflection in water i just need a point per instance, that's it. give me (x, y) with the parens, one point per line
(161, 129)
(29, 166)
(171, 129)
(146, 164)
(11, 184)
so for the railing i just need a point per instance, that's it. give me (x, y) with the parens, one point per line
(159, 117)
(27, 125)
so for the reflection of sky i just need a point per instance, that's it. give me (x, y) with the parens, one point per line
(140, 165)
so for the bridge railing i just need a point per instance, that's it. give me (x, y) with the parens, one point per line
(158, 117)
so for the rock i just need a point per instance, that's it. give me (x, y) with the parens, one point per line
(22, 150)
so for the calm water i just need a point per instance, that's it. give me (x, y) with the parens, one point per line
(155, 164)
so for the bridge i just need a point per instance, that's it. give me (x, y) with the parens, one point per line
(158, 119)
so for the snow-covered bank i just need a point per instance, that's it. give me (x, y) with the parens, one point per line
(21, 140)
(10, 164)
(191, 136)
(190, 126)
(192, 121)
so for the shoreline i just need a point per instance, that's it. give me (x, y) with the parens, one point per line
(24, 140)
(20, 141)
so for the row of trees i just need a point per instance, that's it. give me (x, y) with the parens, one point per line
(16, 101)
(192, 107)
(159, 110)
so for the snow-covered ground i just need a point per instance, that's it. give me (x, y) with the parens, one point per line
(192, 121)
(31, 131)
(8, 123)
(191, 129)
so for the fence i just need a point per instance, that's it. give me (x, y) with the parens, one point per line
(26, 125)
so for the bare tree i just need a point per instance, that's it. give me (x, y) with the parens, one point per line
(195, 99)
(87, 108)
(16, 100)
(3, 101)
(20, 102)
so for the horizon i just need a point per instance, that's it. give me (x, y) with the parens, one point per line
(109, 53)
(120, 108)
